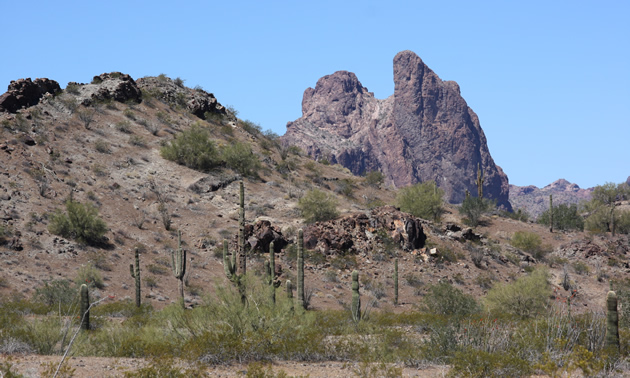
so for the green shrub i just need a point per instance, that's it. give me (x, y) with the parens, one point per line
(444, 299)
(374, 178)
(89, 275)
(526, 297)
(529, 242)
(56, 293)
(192, 148)
(79, 222)
(317, 206)
(239, 157)
(474, 207)
(422, 200)
(565, 217)
(472, 362)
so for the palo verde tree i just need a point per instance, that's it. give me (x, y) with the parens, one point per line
(422, 200)
(602, 207)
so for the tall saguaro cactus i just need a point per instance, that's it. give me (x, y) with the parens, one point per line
(229, 265)
(270, 272)
(85, 307)
(396, 281)
(612, 320)
(178, 260)
(300, 270)
(356, 298)
(479, 181)
(242, 254)
(550, 213)
(136, 275)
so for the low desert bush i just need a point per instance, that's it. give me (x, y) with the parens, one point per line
(239, 157)
(444, 299)
(422, 200)
(526, 297)
(317, 206)
(80, 222)
(192, 148)
(530, 242)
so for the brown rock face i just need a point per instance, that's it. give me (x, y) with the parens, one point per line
(424, 131)
(24, 93)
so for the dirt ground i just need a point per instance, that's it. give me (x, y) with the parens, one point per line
(88, 367)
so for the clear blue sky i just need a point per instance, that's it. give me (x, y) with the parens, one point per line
(549, 80)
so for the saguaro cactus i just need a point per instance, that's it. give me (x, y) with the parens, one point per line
(356, 298)
(479, 181)
(300, 270)
(229, 265)
(178, 260)
(396, 281)
(270, 272)
(290, 294)
(85, 307)
(242, 254)
(550, 213)
(136, 275)
(612, 320)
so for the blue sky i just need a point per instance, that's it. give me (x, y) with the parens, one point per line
(549, 80)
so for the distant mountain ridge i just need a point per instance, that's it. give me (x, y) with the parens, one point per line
(536, 200)
(425, 131)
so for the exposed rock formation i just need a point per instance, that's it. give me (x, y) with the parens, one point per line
(358, 232)
(108, 86)
(196, 101)
(23, 93)
(424, 131)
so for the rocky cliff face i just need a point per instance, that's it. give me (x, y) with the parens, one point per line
(424, 131)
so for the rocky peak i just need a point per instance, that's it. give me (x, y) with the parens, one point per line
(24, 93)
(424, 131)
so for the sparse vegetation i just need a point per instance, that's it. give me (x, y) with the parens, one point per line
(565, 217)
(239, 156)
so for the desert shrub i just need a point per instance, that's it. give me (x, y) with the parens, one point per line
(239, 157)
(251, 127)
(345, 187)
(423, 200)
(89, 275)
(102, 146)
(519, 215)
(565, 217)
(529, 242)
(526, 297)
(445, 299)
(56, 293)
(80, 222)
(192, 148)
(374, 178)
(472, 362)
(317, 206)
(474, 207)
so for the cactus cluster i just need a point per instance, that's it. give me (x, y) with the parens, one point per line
(178, 261)
(135, 274)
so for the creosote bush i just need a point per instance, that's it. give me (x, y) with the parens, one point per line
(529, 242)
(239, 157)
(80, 222)
(445, 299)
(474, 207)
